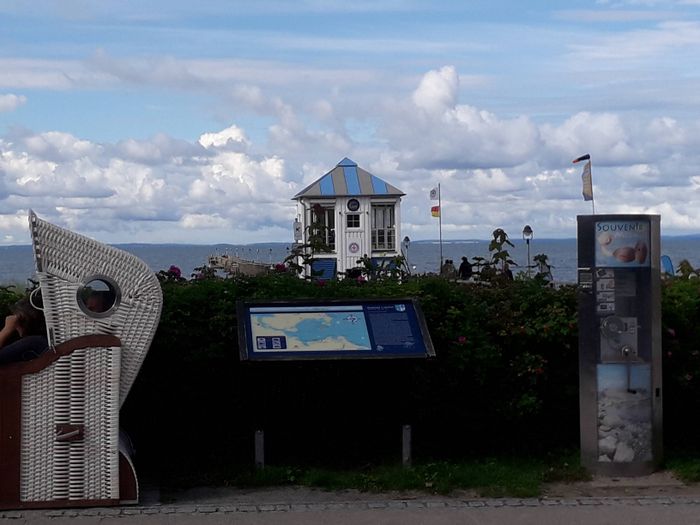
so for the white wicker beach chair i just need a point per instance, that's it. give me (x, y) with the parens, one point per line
(59, 414)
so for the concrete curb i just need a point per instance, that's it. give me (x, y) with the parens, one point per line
(374, 505)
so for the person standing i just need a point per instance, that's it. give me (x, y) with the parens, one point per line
(465, 269)
(448, 270)
(507, 272)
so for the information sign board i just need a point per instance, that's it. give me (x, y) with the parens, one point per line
(352, 329)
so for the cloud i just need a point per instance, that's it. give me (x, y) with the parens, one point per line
(131, 185)
(58, 146)
(229, 138)
(112, 10)
(437, 91)
(613, 15)
(242, 77)
(640, 45)
(159, 149)
(10, 102)
(240, 188)
(199, 221)
(603, 135)
(501, 172)
(27, 73)
(433, 131)
(496, 170)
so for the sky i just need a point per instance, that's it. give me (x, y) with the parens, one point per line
(197, 122)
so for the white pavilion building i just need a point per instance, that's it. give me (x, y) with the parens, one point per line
(360, 215)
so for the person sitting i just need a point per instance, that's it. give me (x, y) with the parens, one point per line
(23, 337)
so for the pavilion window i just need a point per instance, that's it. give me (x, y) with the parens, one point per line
(353, 220)
(323, 225)
(383, 228)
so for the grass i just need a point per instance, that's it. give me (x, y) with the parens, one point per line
(685, 467)
(488, 477)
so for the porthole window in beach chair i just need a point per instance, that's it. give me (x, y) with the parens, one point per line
(99, 296)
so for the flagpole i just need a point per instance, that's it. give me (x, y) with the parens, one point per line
(592, 196)
(440, 224)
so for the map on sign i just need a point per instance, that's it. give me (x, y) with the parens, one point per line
(335, 329)
(304, 329)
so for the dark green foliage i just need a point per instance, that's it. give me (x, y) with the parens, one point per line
(685, 466)
(8, 296)
(495, 269)
(486, 476)
(681, 361)
(396, 269)
(505, 379)
(506, 365)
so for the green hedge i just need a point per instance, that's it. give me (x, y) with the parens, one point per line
(505, 378)
(681, 362)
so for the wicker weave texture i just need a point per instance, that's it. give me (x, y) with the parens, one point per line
(79, 389)
(65, 261)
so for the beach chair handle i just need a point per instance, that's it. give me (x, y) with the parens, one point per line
(66, 432)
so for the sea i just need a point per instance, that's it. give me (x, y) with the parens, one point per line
(17, 263)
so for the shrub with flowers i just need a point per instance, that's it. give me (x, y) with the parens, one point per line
(506, 367)
(171, 274)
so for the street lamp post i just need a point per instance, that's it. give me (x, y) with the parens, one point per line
(404, 248)
(527, 236)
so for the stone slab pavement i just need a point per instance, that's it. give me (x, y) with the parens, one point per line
(657, 499)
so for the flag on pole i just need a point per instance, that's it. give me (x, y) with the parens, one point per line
(435, 211)
(434, 194)
(586, 177)
(587, 180)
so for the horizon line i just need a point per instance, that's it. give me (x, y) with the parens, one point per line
(465, 240)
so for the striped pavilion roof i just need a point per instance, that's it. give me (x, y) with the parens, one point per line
(347, 179)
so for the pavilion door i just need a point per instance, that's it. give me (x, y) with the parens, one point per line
(354, 247)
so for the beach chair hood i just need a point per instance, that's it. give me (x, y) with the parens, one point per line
(66, 262)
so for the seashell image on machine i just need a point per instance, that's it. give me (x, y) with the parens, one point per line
(619, 311)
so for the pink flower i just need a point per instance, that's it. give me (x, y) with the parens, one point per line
(462, 339)
(175, 271)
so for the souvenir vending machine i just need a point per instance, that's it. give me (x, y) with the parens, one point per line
(619, 311)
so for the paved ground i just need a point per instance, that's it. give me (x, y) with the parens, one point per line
(656, 499)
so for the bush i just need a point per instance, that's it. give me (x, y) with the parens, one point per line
(8, 296)
(681, 361)
(505, 379)
(506, 366)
